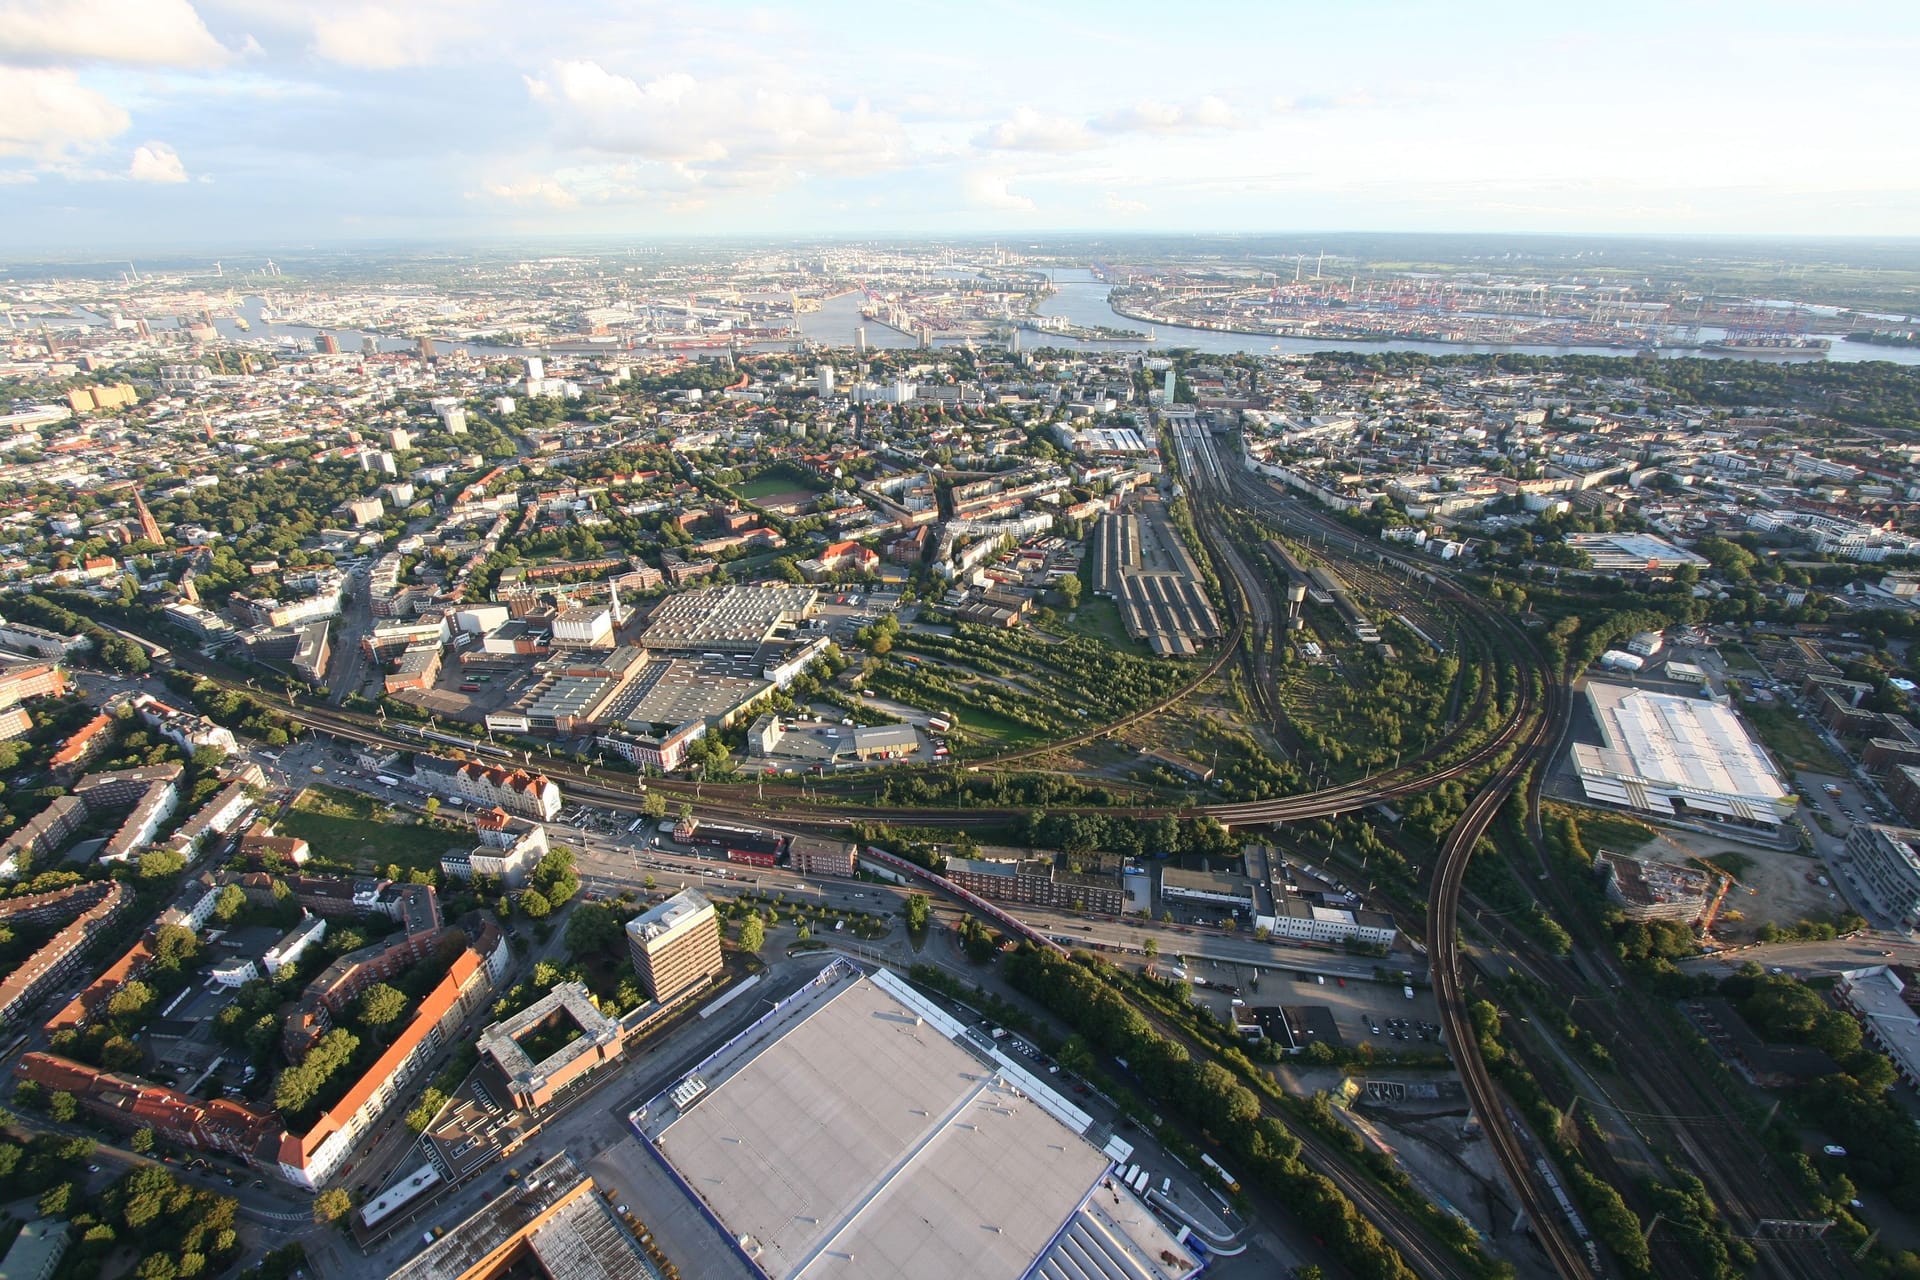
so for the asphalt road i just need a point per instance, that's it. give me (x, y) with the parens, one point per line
(1813, 959)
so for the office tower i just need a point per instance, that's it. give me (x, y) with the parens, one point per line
(1167, 397)
(860, 340)
(826, 381)
(675, 946)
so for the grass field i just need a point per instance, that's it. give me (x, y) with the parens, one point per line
(784, 488)
(1098, 617)
(349, 827)
(1792, 740)
(1739, 661)
(1608, 830)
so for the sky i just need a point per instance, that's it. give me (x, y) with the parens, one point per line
(129, 124)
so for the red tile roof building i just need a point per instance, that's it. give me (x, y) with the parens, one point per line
(219, 1124)
(311, 1159)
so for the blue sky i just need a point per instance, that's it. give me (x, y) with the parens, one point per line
(148, 123)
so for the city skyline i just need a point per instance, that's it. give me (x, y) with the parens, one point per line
(150, 123)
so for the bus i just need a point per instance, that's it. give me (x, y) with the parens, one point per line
(1225, 1177)
(469, 687)
(939, 723)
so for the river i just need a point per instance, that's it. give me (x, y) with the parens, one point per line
(1078, 296)
(1082, 299)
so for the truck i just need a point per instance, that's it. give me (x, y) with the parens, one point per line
(386, 779)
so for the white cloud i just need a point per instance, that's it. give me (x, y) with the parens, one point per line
(378, 37)
(48, 111)
(156, 162)
(985, 189)
(533, 190)
(17, 177)
(717, 128)
(1208, 115)
(1028, 130)
(150, 33)
(1123, 205)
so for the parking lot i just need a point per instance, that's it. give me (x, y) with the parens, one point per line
(1357, 1006)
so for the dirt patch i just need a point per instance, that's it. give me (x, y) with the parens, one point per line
(1771, 887)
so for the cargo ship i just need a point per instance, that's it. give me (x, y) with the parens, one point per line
(1786, 348)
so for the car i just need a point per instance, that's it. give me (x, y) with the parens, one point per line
(93, 1168)
(1833, 1149)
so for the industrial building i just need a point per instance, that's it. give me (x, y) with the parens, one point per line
(675, 945)
(1678, 757)
(1141, 564)
(548, 1224)
(1039, 882)
(859, 1131)
(776, 742)
(1632, 552)
(1887, 867)
(732, 619)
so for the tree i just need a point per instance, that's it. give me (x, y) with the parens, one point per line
(428, 1107)
(142, 1141)
(231, 902)
(653, 805)
(332, 1205)
(535, 904)
(174, 947)
(381, 1004)
(916, 911)
(54, 1200)
(158, 864)
(131, 1000)
(593, 929)
(62, 1106)
(753, 934)
(1069, 588)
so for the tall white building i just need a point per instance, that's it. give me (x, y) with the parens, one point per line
(825, 374)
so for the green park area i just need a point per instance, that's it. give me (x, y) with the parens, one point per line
(343, 826)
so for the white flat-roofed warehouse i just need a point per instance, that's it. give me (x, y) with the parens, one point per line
(1669, 755)
(857, 1131)
(1632, 552)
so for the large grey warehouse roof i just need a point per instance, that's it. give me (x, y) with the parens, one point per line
(724, 618)
(854, 1137)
